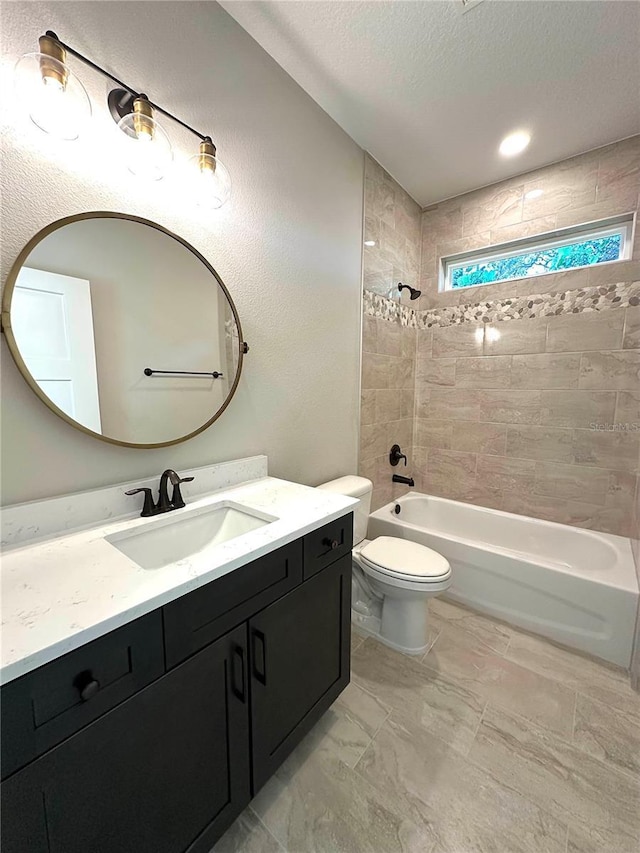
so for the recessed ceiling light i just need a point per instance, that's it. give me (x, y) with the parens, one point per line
(515, 143)
(533, 194)
(369, 242)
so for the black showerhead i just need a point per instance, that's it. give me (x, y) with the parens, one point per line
(413, 293)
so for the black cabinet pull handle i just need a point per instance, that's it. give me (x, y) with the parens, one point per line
(331, 543)
(86, 685)
(260, 674)
(238, 692)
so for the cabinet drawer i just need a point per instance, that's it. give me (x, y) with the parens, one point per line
(199, 618)
(326, 545)
(49, 704)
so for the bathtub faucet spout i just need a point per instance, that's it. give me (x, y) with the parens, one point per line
(408, 481)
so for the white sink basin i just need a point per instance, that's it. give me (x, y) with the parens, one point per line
(175, 537)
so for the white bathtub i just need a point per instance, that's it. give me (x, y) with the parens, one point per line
(575, 586)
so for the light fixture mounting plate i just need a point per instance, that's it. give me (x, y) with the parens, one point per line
(120, 103)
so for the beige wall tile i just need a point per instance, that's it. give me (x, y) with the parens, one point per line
(535, 506)
(580, 332)
(621, 489)
(483, 372)
(479, 437)
(628, 408)
(614, 272)
(619, 370)
(552, 282)
(388, 338)
(436, 372)
(619, 171)
(572, 482)
(375, 370)
(373, 441)
(539, 225)
(398, 432)
(424, 341)
(446, 468)
(462, 340)
(577, 409)
(369, 334)
(368, 406)
(387, 406)
(432, 434)
(510, 407)
(606, 449)
(406, 397)
(616, 520)
(515, 336)
(453, 404)
(423, 401)
(500, 206)
(543, 443)
(500, 472)
(631, 339)
(408, 339)
(570, 184)
(545, 370)
(401, 373)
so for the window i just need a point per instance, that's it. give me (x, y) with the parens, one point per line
(571, 248)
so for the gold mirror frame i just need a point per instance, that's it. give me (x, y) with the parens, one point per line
(7, 330)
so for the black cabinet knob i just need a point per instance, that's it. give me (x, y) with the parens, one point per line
(86, 685)
(331, 543)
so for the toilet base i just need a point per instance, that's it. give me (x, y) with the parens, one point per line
(410, 638)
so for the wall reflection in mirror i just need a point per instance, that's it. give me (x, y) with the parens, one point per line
(100, 299)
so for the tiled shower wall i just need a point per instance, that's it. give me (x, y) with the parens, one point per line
(592, 186)
(503, 410)
(392, 220)
(533, 416)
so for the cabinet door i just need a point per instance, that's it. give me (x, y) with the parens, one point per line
(166, 771)
(300, 654)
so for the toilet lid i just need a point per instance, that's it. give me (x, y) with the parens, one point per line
(399, 556)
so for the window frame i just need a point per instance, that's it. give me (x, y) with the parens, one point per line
(623, 225)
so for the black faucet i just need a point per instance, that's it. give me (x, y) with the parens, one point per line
(164, 504)
(408, 481)
(395, 455)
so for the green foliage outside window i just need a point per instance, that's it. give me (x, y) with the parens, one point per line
(538, 262)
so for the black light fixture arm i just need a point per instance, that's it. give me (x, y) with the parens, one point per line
(203, 137)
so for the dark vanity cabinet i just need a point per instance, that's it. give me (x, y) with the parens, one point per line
(156, 736)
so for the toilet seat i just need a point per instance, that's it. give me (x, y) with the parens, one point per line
(401, 559)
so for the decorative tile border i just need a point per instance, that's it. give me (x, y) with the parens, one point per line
(584, 299)
(376, 305)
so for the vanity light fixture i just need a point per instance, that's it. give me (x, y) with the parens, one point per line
(209, 177)
(56, 100)
(58, 104)
(148, 152)
(515, 143)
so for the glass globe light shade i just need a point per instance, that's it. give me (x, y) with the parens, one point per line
(56, 100)
(147, 149)
(210, 180)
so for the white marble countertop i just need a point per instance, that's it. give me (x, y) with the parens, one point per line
(67, 590)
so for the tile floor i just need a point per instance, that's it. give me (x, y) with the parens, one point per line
(494, 742)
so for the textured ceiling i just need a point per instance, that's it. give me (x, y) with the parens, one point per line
(430, 91)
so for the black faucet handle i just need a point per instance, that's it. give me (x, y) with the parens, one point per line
(395, 455)
(148, 508)
(177, 501)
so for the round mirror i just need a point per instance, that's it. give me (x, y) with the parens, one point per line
(123, 329)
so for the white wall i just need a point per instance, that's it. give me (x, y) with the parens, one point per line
(288, 246)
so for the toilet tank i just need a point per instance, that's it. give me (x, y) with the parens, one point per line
(354, 487)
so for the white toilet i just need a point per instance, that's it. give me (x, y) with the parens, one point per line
(392, 578)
